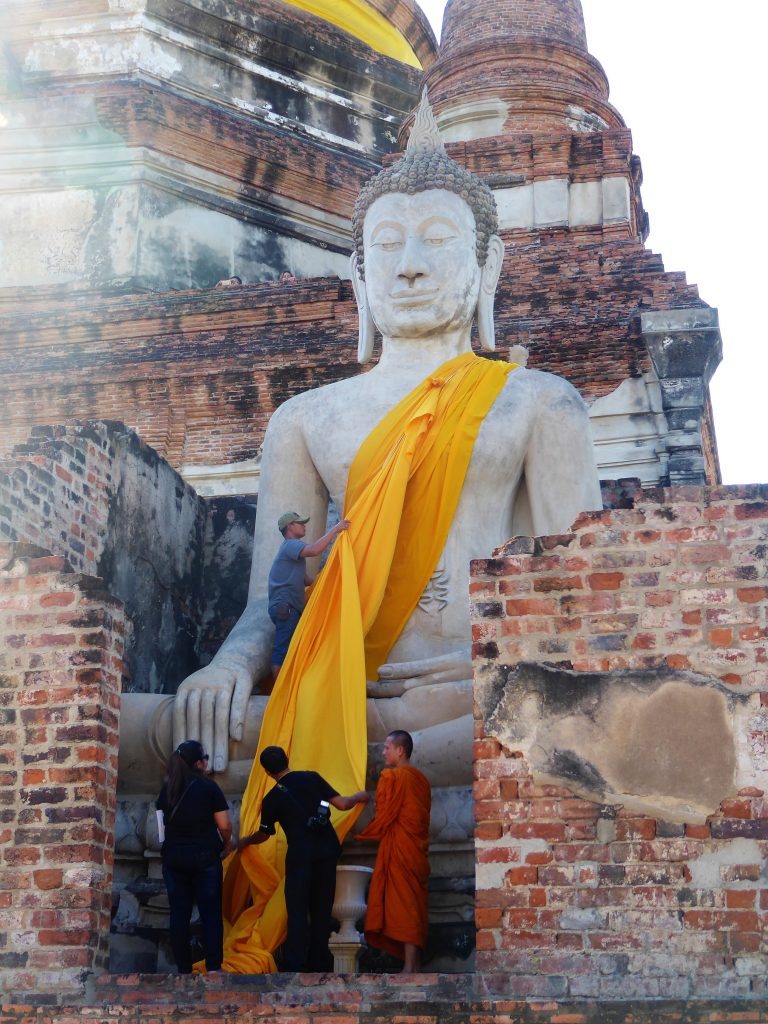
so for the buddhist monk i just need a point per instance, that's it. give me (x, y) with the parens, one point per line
(397, 920)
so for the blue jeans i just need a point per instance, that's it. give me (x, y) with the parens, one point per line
(284, 630)
(187, 886)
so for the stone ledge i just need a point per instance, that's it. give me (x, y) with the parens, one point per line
(426, 999)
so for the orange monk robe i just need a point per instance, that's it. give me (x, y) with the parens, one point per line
(397, 900)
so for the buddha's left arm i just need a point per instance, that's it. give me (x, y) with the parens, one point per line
(560, 474)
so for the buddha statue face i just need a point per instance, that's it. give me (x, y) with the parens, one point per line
(422, 275)
(426, 253)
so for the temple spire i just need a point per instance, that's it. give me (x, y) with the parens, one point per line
(551, 21)
(509, 66)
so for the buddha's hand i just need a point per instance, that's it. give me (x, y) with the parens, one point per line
(210, 706)
(397, 677)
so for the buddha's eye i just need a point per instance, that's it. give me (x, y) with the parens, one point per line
(389, 241)
(438, 238)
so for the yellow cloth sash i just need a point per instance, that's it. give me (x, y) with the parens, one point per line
(365, 23)
(402, 492)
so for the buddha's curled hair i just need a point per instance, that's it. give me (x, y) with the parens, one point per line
(425, 166)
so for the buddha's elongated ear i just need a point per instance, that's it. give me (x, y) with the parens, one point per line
(366, 330)
(489, 279)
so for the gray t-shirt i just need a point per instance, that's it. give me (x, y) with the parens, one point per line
(286, 577)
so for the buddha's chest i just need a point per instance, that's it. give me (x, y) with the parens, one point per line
(335, 437)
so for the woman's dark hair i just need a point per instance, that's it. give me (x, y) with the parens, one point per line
(180, 769)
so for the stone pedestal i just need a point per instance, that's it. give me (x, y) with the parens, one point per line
(349, 906)
(686, 349)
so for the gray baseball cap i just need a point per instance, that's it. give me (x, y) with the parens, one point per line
(290, 517)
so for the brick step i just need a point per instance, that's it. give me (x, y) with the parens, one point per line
(362, 999)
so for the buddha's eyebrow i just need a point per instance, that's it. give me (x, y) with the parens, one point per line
(384, 225)
(442, 220)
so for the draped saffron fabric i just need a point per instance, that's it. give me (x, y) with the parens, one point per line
(401, 496)
(397, 900)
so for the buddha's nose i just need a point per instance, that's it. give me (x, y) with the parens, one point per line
(412, 263)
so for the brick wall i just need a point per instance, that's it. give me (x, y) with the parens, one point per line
(580, 898)
(61, 640)
(96, 495)
(56, 490)
(198, 374)
(359, 999)
(554, 21)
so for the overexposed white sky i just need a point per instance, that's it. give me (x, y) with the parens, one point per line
(689, 77)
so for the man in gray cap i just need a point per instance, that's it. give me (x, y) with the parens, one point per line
(288, 578)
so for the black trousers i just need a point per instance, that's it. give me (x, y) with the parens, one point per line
(187, 886)
(310, 887)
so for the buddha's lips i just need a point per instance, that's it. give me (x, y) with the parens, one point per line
(414, 296)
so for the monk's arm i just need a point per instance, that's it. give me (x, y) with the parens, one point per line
(560, 474)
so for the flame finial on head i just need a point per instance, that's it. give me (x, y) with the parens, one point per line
(425, 135)
(425, 165)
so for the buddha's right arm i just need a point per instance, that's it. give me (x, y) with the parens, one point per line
(212, 703)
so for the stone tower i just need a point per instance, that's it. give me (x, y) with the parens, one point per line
(515, 67)
(526, 105)
(210, 140)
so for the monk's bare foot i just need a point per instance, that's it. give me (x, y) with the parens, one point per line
(412, 963)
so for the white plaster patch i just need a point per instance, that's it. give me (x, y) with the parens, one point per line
(157, 59)
(585, 203)
(42, 236)
(705, 870)
(491, 876)
(232, 478)
(581, 120)
(550, 202)
(629, 430)
(616, 200)
(515, 207)
(479, 119)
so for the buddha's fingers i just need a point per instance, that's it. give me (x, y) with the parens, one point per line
(221, 731)
(448, 667)
(239, 708)
(206, 725)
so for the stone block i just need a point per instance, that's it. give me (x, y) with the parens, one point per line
(550, 202)
(585, 203)
(515, 207)
(616, 200)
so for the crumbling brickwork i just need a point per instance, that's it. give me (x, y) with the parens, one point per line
(581, 898)
(361, 999)
(561, 22)
(60, 668)
(203, 392)
(96, 495)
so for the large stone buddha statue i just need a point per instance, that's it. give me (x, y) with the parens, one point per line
(427, 262)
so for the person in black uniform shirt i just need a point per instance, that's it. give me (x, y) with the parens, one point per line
(310, 863)
(196, 829)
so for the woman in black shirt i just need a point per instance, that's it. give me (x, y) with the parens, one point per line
(195, 829)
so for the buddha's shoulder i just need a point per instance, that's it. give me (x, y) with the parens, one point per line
(542, 387)
(307, 402)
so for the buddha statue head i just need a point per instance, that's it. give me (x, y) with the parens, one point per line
(426, 254)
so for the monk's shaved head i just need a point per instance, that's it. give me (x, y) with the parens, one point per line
(401, 738)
